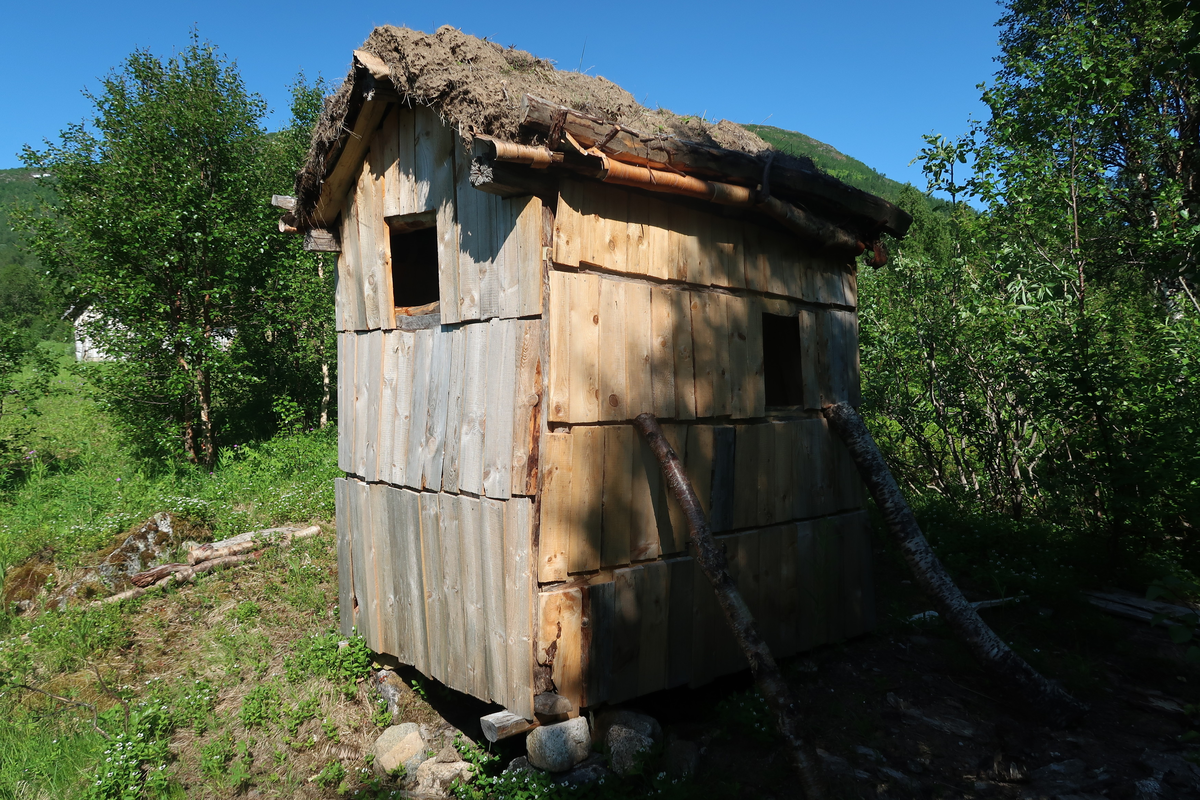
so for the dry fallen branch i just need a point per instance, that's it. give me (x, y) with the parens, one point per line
(988, 649)
(712, 560)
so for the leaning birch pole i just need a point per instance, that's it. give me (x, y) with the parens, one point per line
(712, 560)
(988, 649)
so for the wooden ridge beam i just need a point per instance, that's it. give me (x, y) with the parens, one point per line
(668, 152)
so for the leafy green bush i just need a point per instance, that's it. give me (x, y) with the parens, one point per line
(261, 706)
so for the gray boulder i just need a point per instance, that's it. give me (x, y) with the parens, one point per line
(558, 747)
(590, 770)
(399, 745)
(627, 748)
(644, 724)
(434, 777)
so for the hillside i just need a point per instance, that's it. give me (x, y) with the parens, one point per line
(23, 298)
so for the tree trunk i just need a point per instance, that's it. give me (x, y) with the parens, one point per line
(208, 439)
(712, 560)
(988, 649)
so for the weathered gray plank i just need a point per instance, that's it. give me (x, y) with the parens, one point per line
(498, 413)
(362, 395)
(342, 513)
(470, 526)
(724, 447)
(627, 635)
(436, 628)
(374, 396)
(387, 579)
(525, 406)
(422, 361)
(470, 449)
(345, 400)
(401, 348)
(452, 592)
(454, 406)
(438, 402)
(519, 595)
(494, 612)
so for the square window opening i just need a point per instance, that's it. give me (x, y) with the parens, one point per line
(781, 360)
(414, 268)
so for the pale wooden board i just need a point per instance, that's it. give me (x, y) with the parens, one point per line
(434, 172)
(367, 616)
(406, 515)
(770, 596)
(699, 463)
(442, 191)
(614, 229)
(745, 497)
(706, 310)
(601, 602)
(417, 441)
(682, 244)
(837, 342)
(584, 346)
(809, 374)
(472, 234)
(765, 446)
(645, 541)
(345, 568)
(758, 259)
(358, 581)
(676, 436)
(387, 142)
(790, 258)
(440, 367)
(782, 483)
(657, 243)
(350, 290)
(827, 355)
(716, 318)
(662, 352)
(810, 624)
(614, 396)
(406, 152)
(702, 265)
(527, 240)
(627, 636)
(525, 407)
(402, 346)
(470, 447)
(638, 349)
(737, 347)
(788, 590)
(587, 481)
(519, 593)
(367, 209)
(568, 224)
(755, 390)
(568, 662)
(374, 396)
(559, 320)
(362, 398)
(437, 633)
(499, 407)
(652, 652)
(556, 512)
(637, 242)
(723, 478)
(681, 586)
(507, 262)
(684, 355)
(494, 614)
(470, 526)
(454, 408)
(388, 376)
(618, 494)
(414, 583)
(728, 253)
(389, 578)
(487, 223)
(381, 256)
(455, 621)
(345, 400)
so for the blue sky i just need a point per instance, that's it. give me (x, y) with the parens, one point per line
(867, 77)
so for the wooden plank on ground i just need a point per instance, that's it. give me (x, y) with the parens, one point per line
(470, 526)
(616, 513)
(519, 593)
(450, 539)
(440, 366)
(454, 407)
(526, 419)
(494, 615)
(345, 400)
(341, 497)
(499, 413)
(602, 622)
(627, 634)
(724, 446)
(662, 352)
(613, 390)
(684, 354)
(417, 438)
(587, 481)
(652, 654)
(437, 633)
(559, 321)
(390, 580)
(556, 513)
(679, 621)
(470, 448)
(585, 380)
(638, 346)
(362, 399)
(400, 347)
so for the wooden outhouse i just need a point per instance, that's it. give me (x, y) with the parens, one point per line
(514, 287)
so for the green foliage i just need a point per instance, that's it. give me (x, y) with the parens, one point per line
(746, 714)
(326, 657)
(261, 706)
(163, 226)
(245, 611)
(332, 775)
(1182, 629)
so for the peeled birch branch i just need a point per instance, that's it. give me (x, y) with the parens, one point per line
(712, 560)
(992, 653)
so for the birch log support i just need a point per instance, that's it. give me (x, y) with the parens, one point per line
(987, 648)
(712, 560)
